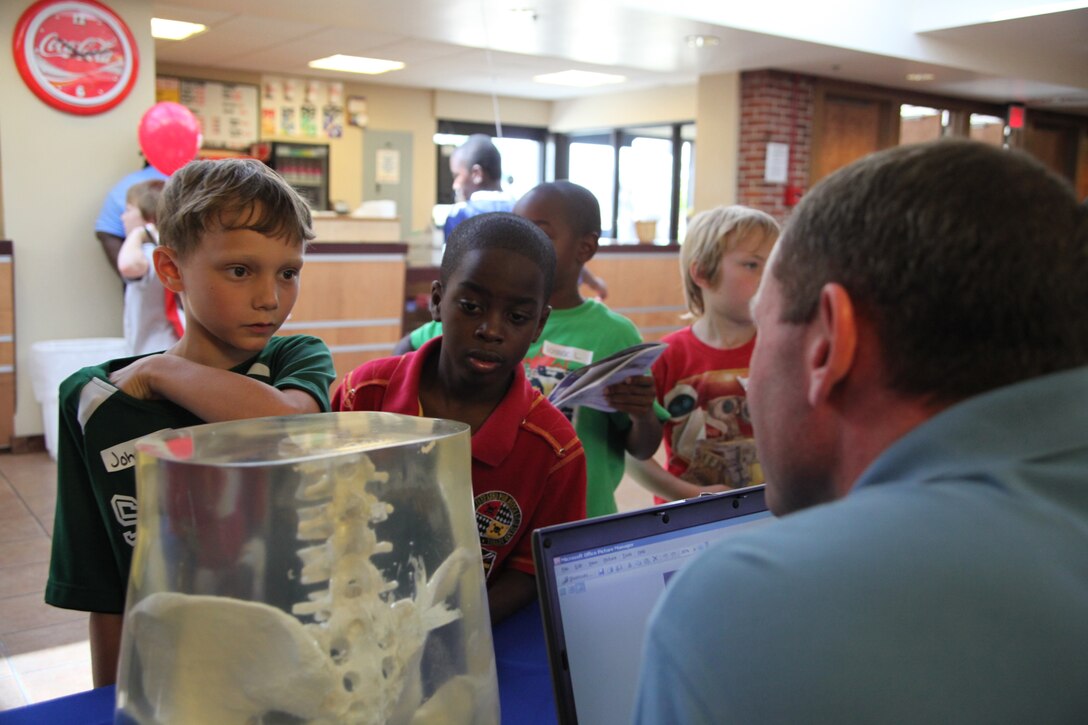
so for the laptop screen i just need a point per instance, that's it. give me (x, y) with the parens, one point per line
(598, 581)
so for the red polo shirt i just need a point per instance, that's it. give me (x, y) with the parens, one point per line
(528, 468)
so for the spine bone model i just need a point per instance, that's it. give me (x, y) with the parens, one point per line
(358, 658)
(375, 643)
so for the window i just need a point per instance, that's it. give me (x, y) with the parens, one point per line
(920, 123)
(521, 147)
(988, 129)
(592, 163)
(638, 174)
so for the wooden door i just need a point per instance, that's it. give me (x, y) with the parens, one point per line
(845, 129)
(1055, 146)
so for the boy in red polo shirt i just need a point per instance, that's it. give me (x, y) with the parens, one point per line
(528, 468)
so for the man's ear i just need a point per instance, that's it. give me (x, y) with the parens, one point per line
(543, 321)
(167, 268)
(832, 345)
(477, 174)
(587, 247)
(435, 301)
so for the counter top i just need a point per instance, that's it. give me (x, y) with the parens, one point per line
(603, 250)
(326, 216)
(637, 247)
(319, 247)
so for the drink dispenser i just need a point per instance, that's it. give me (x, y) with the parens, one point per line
(307, 569)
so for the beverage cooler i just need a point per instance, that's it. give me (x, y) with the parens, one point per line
(305, 166)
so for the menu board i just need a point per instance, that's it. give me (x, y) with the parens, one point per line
(228, 112)
(306, 109)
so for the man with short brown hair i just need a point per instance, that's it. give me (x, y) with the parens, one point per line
(919, 393)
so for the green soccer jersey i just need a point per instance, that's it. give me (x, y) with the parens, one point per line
(95, 521)
(572, 339)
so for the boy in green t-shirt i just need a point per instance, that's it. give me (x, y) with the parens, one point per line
(578, 332)
(232, 235)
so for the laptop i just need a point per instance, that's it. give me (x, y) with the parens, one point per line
(598, 581)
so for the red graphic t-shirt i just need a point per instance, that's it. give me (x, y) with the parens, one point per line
(708, 437)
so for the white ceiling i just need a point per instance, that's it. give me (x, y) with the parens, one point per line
(497, 46)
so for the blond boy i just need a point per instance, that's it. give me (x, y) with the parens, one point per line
(700, 377)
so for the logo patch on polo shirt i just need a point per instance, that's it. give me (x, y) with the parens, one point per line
(498, 517)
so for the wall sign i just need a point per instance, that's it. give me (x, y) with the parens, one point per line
(76, 55)
(306, 109)
(388, 167)
(776, 168)
(228, 112)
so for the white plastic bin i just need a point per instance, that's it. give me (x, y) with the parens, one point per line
(52, 361)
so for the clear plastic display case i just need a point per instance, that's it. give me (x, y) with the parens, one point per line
(307, 569)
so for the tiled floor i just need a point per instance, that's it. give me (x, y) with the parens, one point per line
(43, 650)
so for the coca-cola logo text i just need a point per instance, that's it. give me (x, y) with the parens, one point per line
(94, 50)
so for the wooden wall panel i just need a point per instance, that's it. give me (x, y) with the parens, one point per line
(655, 323)
(340, 336)
(644, 285)
(345, 362)
(1055, 146)
(7, 301)
(344, 288)
(352, 297)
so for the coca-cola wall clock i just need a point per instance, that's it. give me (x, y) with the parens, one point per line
(76, 55)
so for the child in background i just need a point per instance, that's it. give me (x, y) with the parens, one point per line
(476, 166)
(581, 331)
(700, 376)
(152, 317)
(578, 332)
(528, 469)
(232, 236)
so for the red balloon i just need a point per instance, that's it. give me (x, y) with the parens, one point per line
(169, 136)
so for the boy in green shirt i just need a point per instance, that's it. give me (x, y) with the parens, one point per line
(232, 235)
(577, 332)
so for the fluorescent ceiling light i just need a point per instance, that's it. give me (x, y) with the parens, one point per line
(356, 64)
(579, 78)
(1033, 10)
(919, 77)
(702, 41)
(174, 29)
(525, 13)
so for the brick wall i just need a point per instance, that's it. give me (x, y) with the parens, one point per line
(775, 107)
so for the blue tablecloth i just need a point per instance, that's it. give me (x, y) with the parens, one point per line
(521, 657)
